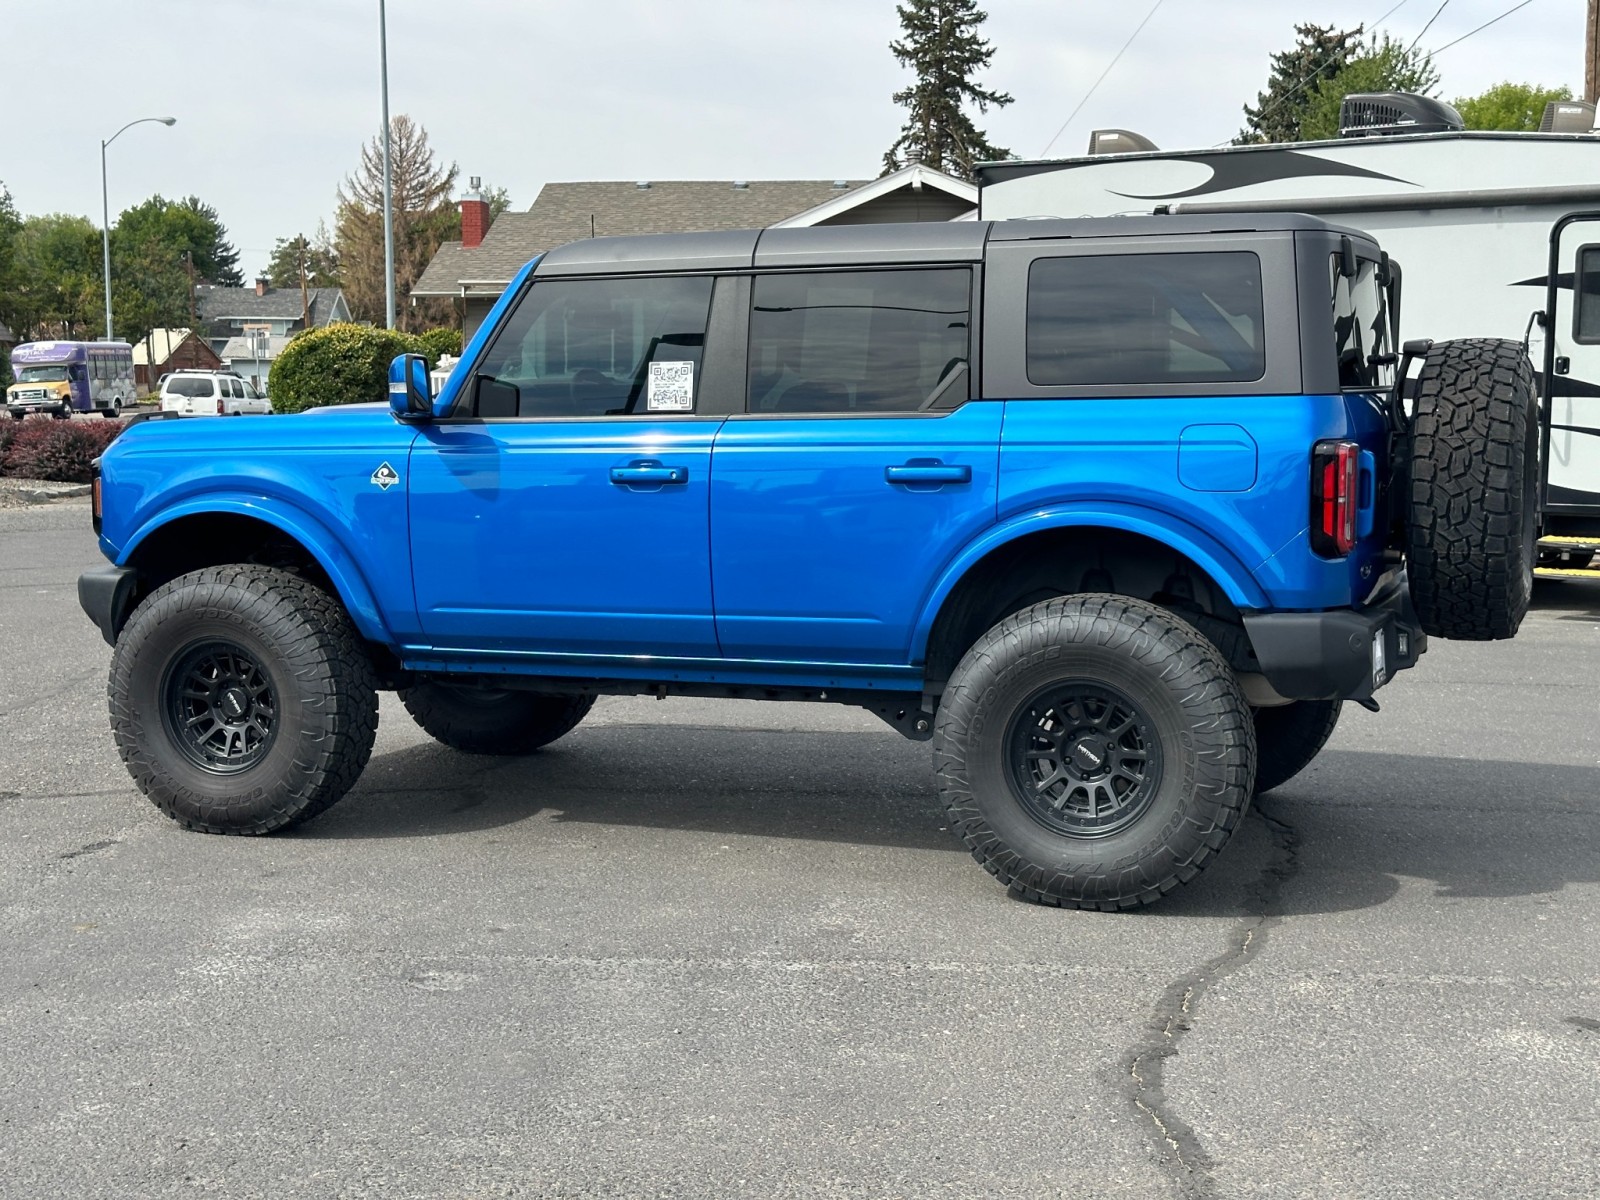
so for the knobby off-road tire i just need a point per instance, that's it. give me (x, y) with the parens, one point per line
(490, 720)
(1102, 683)
(242, 700)
(1474, 489)
(1289, 736)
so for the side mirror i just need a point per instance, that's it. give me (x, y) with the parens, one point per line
(410, 389)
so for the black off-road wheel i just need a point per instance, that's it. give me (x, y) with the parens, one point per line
(1289, 736)
(484, 720)
(242, 700)
(1094, 751)
(1473, 510)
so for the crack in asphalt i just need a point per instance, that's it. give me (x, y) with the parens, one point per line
(1182, 1154)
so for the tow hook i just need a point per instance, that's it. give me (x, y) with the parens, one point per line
(1369, 704)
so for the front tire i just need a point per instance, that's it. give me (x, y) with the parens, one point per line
(1094, 751)
(1289, 736)
(481, 720)
(242, 700)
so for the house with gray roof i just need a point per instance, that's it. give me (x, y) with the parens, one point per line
(231, 312)
(476, 270)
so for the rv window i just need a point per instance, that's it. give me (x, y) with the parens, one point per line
(1360, 325)
(1145, 319)
(1586, 294)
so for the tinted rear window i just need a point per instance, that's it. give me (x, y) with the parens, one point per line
(1360, 326)
(189, 387)
(1145, 319)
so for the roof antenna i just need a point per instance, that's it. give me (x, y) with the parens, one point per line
(591, 224)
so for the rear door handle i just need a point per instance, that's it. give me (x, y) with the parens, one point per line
(648, 473)
(918, 472)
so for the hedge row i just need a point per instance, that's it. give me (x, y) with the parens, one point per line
(61, 451)
(348, 364)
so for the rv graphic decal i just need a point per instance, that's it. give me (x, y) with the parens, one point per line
(1231, 171)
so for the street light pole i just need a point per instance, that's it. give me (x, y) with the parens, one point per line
(388, 183)
(105, 207)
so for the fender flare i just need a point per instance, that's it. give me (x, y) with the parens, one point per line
(320, 542)
(1194, 543)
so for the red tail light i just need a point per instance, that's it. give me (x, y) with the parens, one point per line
(1335, 483)
(219, 408)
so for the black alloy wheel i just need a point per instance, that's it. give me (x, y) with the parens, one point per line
(1085, 759)
(220, 707)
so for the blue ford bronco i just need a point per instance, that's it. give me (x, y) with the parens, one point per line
(1115, 512)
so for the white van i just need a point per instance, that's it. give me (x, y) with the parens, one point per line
(210, 394)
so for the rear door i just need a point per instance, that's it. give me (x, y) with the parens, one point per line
(1572, 377)
(857, 470)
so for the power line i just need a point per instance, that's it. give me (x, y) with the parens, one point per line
(1387, 15)
(1102, 78)
(1480, 28)
(1428, 26)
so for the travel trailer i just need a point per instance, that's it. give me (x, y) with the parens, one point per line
(1498, 235)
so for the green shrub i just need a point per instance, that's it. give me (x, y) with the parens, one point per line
(337, 364)
(61, 451)
(435, 343)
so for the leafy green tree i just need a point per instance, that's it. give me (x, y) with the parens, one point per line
(336, 364)
(57, 273)
(314, 255)
(1319, 53)
(425, 216)
(941, 44)
(1517, 107)
(182, 227)
(1385, 65)
(499, 201)
(10, 227)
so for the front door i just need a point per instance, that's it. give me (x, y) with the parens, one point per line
(858, 469)
(562, 512)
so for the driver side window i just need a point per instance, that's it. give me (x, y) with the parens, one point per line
(597, 348)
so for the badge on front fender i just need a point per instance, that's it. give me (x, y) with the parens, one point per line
(385, 477)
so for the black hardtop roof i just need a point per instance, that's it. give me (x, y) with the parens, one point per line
(917, 242)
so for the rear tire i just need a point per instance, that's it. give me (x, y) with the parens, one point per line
(1289, 736)
(1474, 489)
(1094, 751)
(242, 700)
(481, 720)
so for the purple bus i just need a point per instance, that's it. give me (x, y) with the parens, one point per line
(60, 377)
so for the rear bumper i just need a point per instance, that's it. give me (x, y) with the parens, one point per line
(1342, 654)
(106, 594)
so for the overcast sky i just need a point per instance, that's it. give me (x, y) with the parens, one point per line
(274, 97)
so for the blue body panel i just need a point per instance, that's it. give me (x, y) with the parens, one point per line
(310, 475)
(522, 542)
(818, 553)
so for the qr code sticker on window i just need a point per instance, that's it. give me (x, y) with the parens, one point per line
(671, 387)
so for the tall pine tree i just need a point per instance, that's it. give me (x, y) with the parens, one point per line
(1320, 52)
(941, 44)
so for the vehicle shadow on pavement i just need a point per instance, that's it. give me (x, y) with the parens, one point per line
(869, 788)
(1580, 598)
(1358, 823)
(1475, 828)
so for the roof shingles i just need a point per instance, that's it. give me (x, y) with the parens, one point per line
(565, 212)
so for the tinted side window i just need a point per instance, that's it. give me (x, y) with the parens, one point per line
(1145, 319)
(859, 341)
(601, 347)
(1586, 291)
(1360, 325)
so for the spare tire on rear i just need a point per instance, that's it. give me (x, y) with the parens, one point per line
(1474, 494)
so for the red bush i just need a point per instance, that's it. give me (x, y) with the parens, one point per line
(55, 450)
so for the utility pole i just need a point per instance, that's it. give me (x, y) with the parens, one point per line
(388, 184)
(305, 301)
(1591, 55)
(188, 266)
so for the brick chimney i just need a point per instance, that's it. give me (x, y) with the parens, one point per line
(474, 215)
(261, 286)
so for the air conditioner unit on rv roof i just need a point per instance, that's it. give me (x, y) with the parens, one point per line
(1118, 141)
(1382, 114)
(1567, 116)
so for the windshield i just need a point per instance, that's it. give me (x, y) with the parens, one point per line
(189, 386)
(42, 375)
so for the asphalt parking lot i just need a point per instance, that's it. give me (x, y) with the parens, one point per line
(721, 949)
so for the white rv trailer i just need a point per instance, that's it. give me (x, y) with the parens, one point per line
(1488, 228)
